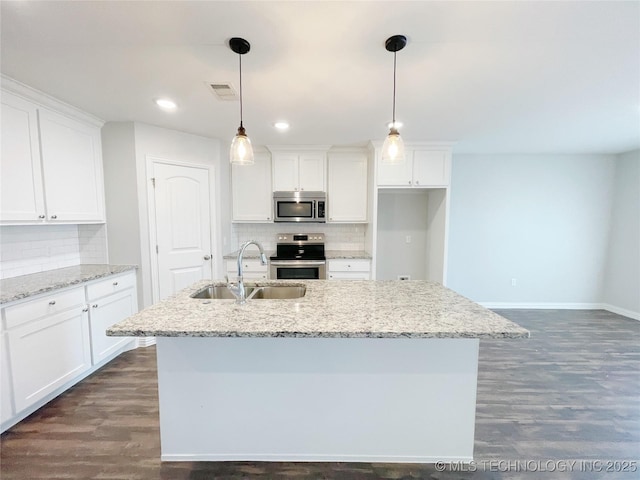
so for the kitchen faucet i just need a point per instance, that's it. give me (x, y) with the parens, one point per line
(238, 289)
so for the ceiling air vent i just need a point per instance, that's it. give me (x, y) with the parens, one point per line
(224, 91)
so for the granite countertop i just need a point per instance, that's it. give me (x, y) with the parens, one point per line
(252, 253)
(25, 286)
(354, 309)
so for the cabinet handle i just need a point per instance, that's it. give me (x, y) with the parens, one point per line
(207, 257)
(52, 302)
(301, 189)
(41, 217)
(53, 217)
(95, 305)
(417, 182)
(409, 182)
(86, 309)
(115, 284)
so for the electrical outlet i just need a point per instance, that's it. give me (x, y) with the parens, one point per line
(407, 239)
(514, 282)
(404, 277)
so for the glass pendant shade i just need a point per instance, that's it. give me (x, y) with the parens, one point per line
(241, 152)
(393, 148)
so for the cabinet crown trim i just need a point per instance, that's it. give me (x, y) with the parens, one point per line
(47, 101)
(298, 148)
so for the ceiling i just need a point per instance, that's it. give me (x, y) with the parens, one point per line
(494, 77)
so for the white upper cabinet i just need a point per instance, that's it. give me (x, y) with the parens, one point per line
(72, 169)
(423, 167)
(51, 165)
(311, 172)
(251, 190)
(22, 195)
(299, 171)
(431, 168)
(347, 187)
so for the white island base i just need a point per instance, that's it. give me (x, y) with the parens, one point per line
(317, 399)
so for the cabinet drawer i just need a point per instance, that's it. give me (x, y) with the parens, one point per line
(113, 284)
(35, 308)
(349, 276)
(247, 266)
(349, 265)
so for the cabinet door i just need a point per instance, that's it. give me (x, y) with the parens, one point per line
(285, 172)
(72, 167)
(48, 353)
(397, 174)
(347, 187)
(22, 197)
(431, 168)
(251, 190)
(311, 168)
(105, 312)
(6, 394)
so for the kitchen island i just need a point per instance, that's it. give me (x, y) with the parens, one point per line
(376, 371)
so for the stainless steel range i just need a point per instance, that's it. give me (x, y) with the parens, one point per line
(299, 256)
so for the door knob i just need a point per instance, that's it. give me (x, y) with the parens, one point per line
(207, 257)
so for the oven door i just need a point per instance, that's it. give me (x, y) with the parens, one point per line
(298, 270)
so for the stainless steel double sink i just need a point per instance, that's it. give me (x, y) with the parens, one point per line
(267, 292)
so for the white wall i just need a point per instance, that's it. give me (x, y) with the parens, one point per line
(127, 149)
(541, 219)
(151, 141)
(402, 213)
(622, 274)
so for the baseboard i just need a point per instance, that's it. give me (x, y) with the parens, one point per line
(146, 341)
(621, 311)
(543, 305)
(562, 306)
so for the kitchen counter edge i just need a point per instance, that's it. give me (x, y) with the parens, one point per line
(25, 286)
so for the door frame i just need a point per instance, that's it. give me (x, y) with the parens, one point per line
(151, 160)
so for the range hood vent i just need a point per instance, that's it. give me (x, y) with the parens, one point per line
(223, 91)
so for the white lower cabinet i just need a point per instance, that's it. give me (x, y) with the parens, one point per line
(47, 352)
(349, 269)
(52, 341)
(251, 270)
(6, 390)
(110, 301)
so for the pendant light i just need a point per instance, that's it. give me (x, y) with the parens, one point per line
(241, 152)
(393, 147)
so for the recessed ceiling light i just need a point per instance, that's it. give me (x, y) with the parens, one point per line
(396, 125)
(166, 104)
(281, 125)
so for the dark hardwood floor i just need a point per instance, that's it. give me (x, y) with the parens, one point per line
(570, 393)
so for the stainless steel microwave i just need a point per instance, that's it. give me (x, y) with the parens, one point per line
(299, 206)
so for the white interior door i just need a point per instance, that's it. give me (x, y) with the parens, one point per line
(183, 226)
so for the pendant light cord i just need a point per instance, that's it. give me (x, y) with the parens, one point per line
(393, 125)
(240, 58)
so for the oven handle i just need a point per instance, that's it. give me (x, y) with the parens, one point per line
(293, 263)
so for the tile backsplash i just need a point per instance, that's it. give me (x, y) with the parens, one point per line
(26, 249)
(337, 236)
